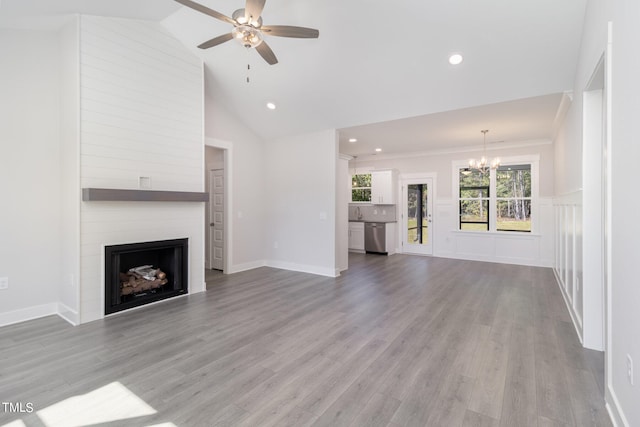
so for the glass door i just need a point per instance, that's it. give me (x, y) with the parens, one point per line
(417, 218)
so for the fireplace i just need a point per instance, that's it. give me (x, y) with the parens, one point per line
(140, 273)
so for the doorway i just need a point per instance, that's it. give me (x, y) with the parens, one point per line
(594, 201)
(417, 215)
(216, 218)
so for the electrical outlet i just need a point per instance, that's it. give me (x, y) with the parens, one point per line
(275, 245)
(630, 369)
(144, 182)
(4, 283)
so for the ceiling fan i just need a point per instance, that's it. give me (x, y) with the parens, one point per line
(248, 28)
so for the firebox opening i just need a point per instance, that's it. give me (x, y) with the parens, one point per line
(141, 273)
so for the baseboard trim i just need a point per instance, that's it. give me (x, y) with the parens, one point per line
(614, 410)
(303, 268)
(576, 323)
(498, 260)
(237, 268)
(29, 313)
(66, 313)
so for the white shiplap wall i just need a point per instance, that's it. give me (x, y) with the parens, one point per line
(141, 114)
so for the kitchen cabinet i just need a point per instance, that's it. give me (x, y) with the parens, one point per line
(356, 236)
(384, 187)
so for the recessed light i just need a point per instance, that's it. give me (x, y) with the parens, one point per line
(455, 59)
(378, 150)
(271, 106)
(353, 140)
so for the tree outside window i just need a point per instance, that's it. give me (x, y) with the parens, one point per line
(502, 197)
(361, 187)
(513, 197)
(474, 199)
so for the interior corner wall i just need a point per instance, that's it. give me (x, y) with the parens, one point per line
(29, 174)
(247, 184)
(301, 202)
(69, 291)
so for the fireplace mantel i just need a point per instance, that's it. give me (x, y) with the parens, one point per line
(116, 195)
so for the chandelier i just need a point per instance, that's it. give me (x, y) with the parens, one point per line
(483, 164)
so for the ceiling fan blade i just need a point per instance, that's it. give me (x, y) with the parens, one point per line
(200, 8)
(267, 54)
(290, 31)
(216, 41)
(254, 8)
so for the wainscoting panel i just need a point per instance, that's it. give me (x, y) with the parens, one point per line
(523, 249)
(535, 249)
(568, 260)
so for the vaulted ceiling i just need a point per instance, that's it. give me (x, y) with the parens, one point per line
(376, 62)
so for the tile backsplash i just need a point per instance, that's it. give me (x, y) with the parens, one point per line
(372, 212)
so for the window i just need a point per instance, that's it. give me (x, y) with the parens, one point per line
(497, 200)
(513, 198)
(361, 187)
(474, 199)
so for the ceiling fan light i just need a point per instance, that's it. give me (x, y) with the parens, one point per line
(247, 35)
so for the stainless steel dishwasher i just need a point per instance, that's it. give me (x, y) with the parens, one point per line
(375, 237)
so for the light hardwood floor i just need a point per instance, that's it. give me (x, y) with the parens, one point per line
(394, 341)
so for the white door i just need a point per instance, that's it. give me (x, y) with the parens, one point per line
(216, 219)
(417, 218)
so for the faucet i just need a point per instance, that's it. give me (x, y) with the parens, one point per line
(358, 213)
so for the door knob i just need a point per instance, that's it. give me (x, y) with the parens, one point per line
(212, 224)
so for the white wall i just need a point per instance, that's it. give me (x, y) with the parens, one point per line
(141, 115)
(247, 184)
(441, 165)
(343, 198)
(624, 295)
(29, 174)
(525, 249)
(69, 292)
(300, 202)
(625, 150)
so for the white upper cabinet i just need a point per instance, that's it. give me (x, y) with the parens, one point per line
(384, 187)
